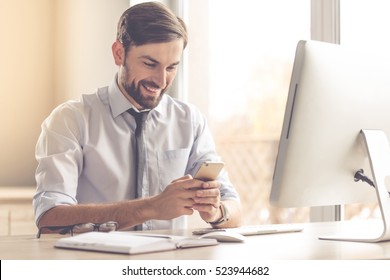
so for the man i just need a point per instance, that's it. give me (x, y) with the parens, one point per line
(87, 152)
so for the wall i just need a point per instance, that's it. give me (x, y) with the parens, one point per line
(86, 30)
(50, 51)
(26, 84)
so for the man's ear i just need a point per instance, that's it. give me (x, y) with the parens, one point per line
(118, 51)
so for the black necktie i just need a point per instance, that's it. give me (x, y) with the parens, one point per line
(140, 118)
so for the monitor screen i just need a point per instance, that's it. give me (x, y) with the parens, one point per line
(334, 93)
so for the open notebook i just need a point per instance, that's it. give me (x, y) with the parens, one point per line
(129, 242)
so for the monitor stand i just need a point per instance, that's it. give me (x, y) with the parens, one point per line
(378, 149)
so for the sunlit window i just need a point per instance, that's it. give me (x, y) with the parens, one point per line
(246, 61)
(365, 24)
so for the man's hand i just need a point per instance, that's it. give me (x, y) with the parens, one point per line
(183, 196)
(177, 199)
(207, 201)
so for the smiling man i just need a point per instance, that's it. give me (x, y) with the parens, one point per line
(89, 168)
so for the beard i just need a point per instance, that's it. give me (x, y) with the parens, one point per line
(134, 91)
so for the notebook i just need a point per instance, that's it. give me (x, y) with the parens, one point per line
(130, 243)
(255, 229)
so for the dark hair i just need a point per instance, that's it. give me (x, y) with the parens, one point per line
(150, 22)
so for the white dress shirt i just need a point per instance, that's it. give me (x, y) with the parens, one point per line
(86, 151)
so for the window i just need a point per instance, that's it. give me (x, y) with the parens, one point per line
(240, 59)
(370, 32)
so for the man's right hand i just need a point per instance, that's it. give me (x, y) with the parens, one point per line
(177, 199)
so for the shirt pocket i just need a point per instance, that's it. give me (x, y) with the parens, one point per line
(172, 165)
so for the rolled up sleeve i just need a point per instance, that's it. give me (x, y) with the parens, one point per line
(59, 157)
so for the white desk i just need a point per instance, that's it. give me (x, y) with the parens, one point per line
(287, 246)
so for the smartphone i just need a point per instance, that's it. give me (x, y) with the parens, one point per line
(209, 170)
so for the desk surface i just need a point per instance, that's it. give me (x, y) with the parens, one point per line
(284, 246)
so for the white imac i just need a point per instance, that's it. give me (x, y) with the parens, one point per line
(337, 122)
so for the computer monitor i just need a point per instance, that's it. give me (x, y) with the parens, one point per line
(334, 94)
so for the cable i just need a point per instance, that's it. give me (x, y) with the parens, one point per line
(360, 176)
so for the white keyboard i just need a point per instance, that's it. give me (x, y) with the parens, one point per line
(255, 229)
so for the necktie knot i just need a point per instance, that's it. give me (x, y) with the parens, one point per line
(140, 118)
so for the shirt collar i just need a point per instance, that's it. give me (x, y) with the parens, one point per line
(120, 104)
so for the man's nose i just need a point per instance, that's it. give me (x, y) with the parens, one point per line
(160, 78)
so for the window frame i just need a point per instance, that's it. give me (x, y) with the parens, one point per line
(325, 26)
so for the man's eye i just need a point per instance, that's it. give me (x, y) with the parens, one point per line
(171, 68)
(151, 65)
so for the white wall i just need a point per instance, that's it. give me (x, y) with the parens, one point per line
(50, 51)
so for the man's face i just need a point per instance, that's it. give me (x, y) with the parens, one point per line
(148, 71)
